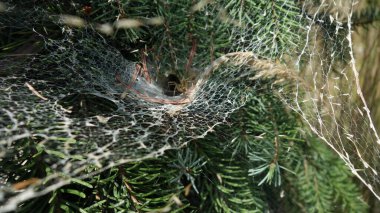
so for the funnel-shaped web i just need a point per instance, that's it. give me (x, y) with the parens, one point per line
(85, 105)
(103, 110)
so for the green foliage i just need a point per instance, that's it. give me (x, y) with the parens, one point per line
(151, 185)
(224, 184)
(322, 182)
(268, 165)
(108, 12)
(268, 145)
(273, 26)
(186, 30)
(261, 161)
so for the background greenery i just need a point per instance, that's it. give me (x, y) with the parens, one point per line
(264, 159)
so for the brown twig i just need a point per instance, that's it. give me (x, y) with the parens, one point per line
(191, 54)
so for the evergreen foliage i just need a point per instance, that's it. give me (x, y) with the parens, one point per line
(262, 160)
(269, 165)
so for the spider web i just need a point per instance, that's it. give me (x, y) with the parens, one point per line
(87, 106)
(333, 104)
(327, 93)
